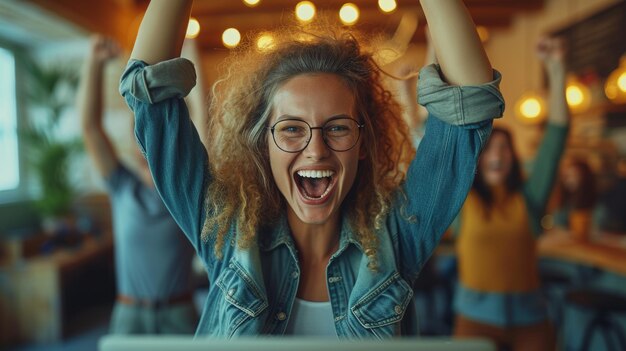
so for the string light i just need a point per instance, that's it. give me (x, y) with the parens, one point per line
(615, 86)
(621, 82)
(531, 108)
(251, 3)
(231, 38)
(305, 11)
(387, 6)
(265, 42)
(349, 14)
(193, 28)
(577, 95)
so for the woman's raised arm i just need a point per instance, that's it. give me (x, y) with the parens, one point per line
(457, 45)
(162, 31)
(154, 86)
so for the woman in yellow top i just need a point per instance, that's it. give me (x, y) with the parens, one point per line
(577, 198)
(498, 294)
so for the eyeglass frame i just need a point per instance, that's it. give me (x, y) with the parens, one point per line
(321, 128)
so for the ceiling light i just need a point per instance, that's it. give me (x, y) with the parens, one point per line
(577, 95)
(193, 28)
(531, 108)
(305, 11)
(251, 3)
(265, 42)
(615, 86)
(387, 6)
(231, 38)
(349, 14)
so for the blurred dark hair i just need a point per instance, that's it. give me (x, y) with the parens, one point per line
(584, 197)
(514, 180)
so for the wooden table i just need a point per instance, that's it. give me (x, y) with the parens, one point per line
(607, 252)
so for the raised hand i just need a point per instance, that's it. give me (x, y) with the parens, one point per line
(551, 51)
(89, 104)
(104, 48)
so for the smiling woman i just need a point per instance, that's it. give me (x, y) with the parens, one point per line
(310, 209)
(316, 98)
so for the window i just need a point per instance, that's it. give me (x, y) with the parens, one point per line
(9, 161)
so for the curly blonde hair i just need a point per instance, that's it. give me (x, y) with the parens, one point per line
(243, 190)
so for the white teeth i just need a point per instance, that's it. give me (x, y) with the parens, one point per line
(315, 173)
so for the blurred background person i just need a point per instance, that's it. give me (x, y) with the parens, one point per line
(152, 256)
(576, 198)
(499, 293)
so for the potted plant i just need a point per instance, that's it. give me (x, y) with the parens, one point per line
(50, 91)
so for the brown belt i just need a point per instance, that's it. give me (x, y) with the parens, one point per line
(173, 300)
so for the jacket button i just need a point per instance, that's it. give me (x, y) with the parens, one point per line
(295, 274)
(334, 279)
(398, 309)
(281, 316)
(231, 292)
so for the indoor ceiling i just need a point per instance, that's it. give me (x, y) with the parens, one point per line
(28, 26)
(110, 16)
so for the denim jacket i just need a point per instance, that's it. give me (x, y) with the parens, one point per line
(253, 290)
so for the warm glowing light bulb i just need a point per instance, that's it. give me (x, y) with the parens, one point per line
(251, 3)
(621, 82)
(387, 5)
(231, 37)
(611, 91)
(193, 28)
(531, 108)
(577, 95)
(265, 42)
(615, 85)
(574, 95)
(305, 11)
(349, 14)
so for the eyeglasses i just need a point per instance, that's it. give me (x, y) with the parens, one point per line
(339, 134)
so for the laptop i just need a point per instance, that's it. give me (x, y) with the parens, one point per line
(187, 343)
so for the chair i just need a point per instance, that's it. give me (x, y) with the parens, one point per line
(603, 305)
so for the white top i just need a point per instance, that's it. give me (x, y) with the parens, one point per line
(309, 318)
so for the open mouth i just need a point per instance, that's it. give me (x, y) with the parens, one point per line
(495, 165)
(315, 185)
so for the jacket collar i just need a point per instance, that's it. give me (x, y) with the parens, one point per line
(280, 234)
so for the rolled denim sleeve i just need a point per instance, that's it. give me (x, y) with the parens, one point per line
(459, 105)
(167, 138)
(441, 174)
(151, 84)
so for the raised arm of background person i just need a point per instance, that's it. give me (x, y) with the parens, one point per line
(552, 52)
(162, 31)
(457, 45)
(89, 105)
(538, 187)
(404, 71)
